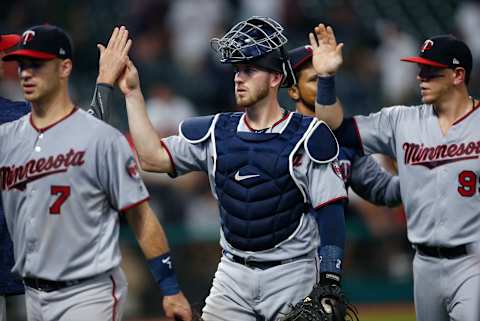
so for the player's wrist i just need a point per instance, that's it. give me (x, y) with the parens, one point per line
(330, 278)
(326, 94)
(104, 79)
(162, 270)
(135, 93)
(104, 84)
(330, 264)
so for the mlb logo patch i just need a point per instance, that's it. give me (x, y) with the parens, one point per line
(132, 168)
(337, 170)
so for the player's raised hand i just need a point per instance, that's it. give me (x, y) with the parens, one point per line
(327, 54)
(114, 57)
(129, 80)
(177, 307)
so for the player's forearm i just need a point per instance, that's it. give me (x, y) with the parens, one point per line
(148, 231)
(100, 106)
(153, 242)
(371, 182)
(152, 155)
(331, 114)
(331, 225)
(393, 195)
(327, 106)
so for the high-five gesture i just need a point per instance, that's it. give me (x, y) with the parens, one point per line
(327, 54)
(114, 57)
(129, 80)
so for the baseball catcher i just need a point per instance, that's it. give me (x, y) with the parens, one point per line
(326, 302)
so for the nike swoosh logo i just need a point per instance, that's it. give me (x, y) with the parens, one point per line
(239, 177)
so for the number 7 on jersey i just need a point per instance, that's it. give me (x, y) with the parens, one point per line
(63, 193)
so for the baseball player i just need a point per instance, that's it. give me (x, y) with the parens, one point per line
(436, 148)
(64, 177)
(10, 284)
(273, 172)
(363, 174)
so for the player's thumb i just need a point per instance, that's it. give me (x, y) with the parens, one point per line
(101, 48)
(340, 48)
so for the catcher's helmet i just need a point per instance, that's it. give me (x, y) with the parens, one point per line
(259, 41)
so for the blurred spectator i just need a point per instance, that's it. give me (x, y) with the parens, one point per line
(192, 24)
(467, 19)
(167, 110)
(395, 44)
(267, 8)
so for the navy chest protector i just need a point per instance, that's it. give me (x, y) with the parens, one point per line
(260, 204)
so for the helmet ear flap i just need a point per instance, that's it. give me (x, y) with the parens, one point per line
(289, 76)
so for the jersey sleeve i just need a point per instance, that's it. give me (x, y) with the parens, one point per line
(377, 131)
(120, 176)
(323, 183)
(187, 157)
(371, 182)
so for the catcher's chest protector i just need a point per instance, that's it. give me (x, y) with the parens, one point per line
(260, 204)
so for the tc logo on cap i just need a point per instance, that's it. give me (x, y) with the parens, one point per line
(27, 36)
(427, 45)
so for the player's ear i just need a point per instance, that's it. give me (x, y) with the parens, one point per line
(276, 79)
(65, 68)
(459, 76)
(293, 92)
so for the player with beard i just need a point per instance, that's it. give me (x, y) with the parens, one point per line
(273, 172)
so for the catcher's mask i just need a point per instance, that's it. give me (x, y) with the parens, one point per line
(258, 41)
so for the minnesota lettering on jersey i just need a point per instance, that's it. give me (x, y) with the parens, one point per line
(431, 157)
(17, 177)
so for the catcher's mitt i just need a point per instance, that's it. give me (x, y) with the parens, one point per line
(324, 303)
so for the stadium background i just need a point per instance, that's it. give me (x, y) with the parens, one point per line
(181, 78)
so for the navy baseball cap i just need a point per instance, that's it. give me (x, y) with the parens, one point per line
(300, 56)
(8, 41)
(444, 51)
(44, 42)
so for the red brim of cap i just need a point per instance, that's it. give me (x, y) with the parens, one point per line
(9, 41)
(14, 55)
(423, 61)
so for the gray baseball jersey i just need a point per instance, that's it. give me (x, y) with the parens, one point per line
(62, 188)
(439, 175)
(311, 176)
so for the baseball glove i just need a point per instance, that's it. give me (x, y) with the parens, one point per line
(324, 303)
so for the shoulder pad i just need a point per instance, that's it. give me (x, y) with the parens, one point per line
(197, 129)
(321, 145)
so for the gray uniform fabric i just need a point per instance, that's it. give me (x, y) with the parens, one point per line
(370, 181)
(101, 298)
(439, 176)
(237, 290)
(62, 189)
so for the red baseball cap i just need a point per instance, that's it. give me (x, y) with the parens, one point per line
(9, 41)
(44, 42)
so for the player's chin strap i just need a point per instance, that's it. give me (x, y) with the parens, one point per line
(290, 79)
